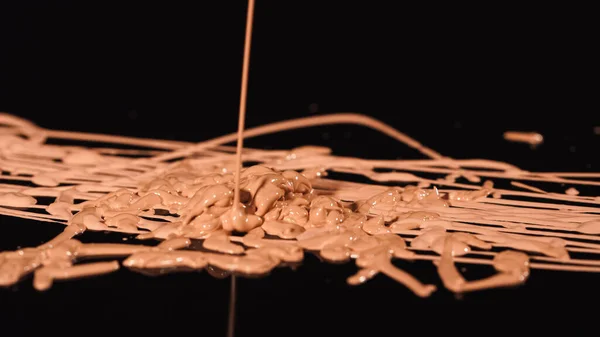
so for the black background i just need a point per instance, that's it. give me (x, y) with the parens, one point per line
(453, 77)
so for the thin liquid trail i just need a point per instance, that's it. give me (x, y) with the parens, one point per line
(232, 298)
(240, 146)
(243, 95)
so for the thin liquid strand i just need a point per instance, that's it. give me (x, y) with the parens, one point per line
(239, 149)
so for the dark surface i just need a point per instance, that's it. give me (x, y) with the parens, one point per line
(454, 78)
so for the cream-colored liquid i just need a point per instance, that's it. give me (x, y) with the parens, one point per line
(287, 196)
(205, 195)
(237, 211)
(531, 138)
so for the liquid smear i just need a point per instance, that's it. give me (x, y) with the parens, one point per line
(531, 138)
(178, 192)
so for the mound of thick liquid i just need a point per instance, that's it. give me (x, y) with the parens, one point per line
(287, 207)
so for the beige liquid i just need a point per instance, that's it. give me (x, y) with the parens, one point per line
(531, 138)
(237, 211)
(208, 197)
(288, 196)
